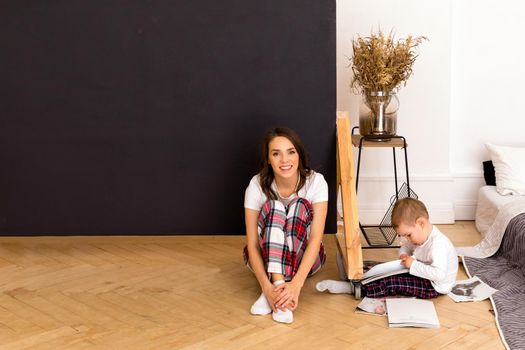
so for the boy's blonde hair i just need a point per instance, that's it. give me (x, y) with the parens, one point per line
(407, 211)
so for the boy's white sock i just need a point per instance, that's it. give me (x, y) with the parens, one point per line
(336, 287)
(282, 316)
(261, 306)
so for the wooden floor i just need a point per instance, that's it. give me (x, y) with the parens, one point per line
(194, 293)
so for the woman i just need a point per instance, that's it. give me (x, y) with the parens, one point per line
(285, 212)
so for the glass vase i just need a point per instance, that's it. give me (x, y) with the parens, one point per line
(378, 113)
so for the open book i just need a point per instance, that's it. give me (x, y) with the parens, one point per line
(472, 289)
(382, 270)
(408, 312)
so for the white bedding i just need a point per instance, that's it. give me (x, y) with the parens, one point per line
(490, 244)
(489, 204)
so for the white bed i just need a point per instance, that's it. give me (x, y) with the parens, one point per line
(489, 204)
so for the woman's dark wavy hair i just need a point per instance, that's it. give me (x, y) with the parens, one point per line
(266, 172)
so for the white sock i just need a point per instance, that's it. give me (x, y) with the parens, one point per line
(261, 306)
(336, 287)
(282, 316)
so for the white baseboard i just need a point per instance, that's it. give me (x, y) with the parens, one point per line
(465, 209)
(448, 198)
(465, 194)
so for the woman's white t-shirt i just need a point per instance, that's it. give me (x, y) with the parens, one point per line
(315, 190)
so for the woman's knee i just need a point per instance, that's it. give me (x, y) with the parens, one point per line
(272, 210)
(272, 215)
(300, 208)
(272, 205)
(300, 201)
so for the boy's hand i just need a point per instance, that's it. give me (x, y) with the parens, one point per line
(406, 260)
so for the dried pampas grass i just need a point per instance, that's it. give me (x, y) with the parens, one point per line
(380, 63)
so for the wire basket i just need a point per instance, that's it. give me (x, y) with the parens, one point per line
(384, 234)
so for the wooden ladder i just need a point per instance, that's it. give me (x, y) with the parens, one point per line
(348, 237)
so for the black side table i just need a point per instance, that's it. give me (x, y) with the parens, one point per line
(382, 235)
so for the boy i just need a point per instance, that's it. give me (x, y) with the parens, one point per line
(425, 251)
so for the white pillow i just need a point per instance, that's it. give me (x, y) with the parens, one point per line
(509, 163)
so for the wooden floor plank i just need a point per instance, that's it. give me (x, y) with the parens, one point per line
(194, 292)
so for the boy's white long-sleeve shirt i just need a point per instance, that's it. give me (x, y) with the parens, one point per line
(435, 260)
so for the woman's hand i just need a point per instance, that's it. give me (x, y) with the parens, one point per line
(271, 294)
(288, 295)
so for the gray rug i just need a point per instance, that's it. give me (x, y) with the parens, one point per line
(505, 271)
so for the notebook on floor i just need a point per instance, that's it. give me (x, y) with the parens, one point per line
(408, 312)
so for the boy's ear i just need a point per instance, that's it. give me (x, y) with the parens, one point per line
(421, 221)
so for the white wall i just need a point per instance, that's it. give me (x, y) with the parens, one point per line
(424, 115)
(488, 71)
(466, 90)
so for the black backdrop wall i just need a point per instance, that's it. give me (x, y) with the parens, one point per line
(145, 117)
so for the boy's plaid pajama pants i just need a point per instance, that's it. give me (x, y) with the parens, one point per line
(404, 284)
(283, 237)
